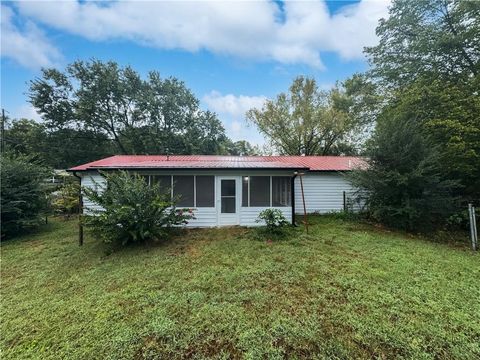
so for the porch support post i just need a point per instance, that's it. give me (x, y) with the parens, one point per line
(305, 221)
(80, 211)
(292, 191)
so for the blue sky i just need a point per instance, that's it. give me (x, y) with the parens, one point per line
(232, 55)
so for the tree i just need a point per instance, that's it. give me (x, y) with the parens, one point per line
(26, 137)
(403, 185)
(65, 148)
(148, 116)
(434, 39)
(22, 196)
(242, 148)
(57, 148)
(428, 60)
(447, 114)
(306, 120)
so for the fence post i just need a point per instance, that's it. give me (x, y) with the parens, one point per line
(473, 226)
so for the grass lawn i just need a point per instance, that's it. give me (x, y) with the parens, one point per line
(346, 290)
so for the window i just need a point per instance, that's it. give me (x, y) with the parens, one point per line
(205, 191)
(164, 182)
(281, 191)
(183, 189)
(259, 190)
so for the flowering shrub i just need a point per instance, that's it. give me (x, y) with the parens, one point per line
(132, 211)
(274, 220)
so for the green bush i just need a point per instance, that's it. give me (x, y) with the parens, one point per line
(64, 201)
(403, 185)
(132, 211)
(275, 221)
(22, 193)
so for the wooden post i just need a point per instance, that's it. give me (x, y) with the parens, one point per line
(303, 199)
(80, 220)
(292, 197)
(473, 227)
(344, 201)
(80, 211)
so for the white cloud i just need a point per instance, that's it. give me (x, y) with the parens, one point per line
(231, 110)
(236, 126)
(26, 111)
(257, 30)
(232, 105)
(27, 46)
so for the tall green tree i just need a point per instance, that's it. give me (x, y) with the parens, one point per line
(151, 115)
(25, 136)
(428, 61)
(306, 120)
(431, 39)
(58, 148)
(242, 148)
(404, 185)
(23, 197)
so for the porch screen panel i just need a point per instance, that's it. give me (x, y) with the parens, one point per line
(163, 182)
(145, 178)
(259, 190)
(205, 191)
(183, 189)
(281, 191)
(245, 191)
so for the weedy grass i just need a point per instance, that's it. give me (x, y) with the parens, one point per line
(344, 290)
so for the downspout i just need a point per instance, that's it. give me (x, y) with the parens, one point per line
(292, 191)
(80, 210)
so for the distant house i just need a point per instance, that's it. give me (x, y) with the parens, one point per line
(233, 190)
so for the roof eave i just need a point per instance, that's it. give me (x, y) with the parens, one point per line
(185, 168)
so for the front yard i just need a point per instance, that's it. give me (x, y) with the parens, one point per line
(344, 291)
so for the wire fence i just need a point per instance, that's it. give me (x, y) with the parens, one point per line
(465, 214)
(353, 202)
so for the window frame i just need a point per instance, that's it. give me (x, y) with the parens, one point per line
(149, 182)
(289, 191)
(234, 196)
(271, 190)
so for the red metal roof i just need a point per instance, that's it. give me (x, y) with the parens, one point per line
(312, 163)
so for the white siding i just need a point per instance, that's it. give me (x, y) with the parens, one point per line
(323, 192)
(248, 215)
(91, 180)
(204, 217)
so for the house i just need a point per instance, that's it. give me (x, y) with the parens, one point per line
(233, 190)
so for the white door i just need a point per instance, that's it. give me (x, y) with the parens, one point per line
(228, 200)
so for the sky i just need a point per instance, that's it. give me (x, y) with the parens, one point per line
(232, 54)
